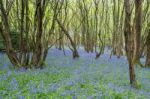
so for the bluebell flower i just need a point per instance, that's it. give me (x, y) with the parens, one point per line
(67, 92)
(9, 73)
(3, 77)
(70, 83)
(77, 71)
(41, 84)
(32, 87)
(33, 90)
(74, 97)
(5, 65)
(41, 87)
(54, 87)
(21, 97)
(14, 81)
(119, 89)
(14, 84)
(90, 97)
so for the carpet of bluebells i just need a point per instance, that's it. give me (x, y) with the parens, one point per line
(67, 78)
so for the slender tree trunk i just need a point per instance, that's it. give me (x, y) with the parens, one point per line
(129, 42)
(132, 74)
(36, 59)
(137, 32)
(27, 47)
(148, 48)
(22, 54)
(75, 52)
(7, 38)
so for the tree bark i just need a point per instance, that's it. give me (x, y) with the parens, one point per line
(148, 48)
(7, 38)
(75, 52)
(38, 47)
(22, 53)
(137, 30)
(129, 42)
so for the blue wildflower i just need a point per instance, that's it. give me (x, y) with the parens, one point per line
(14, 84)
(70, 83)
(54, 87)
(9, 73)
(5, 65)
(21, 97)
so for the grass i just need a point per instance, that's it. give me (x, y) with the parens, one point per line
(65, 78)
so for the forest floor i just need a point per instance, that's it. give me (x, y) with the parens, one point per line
(67, 78)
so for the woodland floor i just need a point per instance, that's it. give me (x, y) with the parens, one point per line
(65, 78)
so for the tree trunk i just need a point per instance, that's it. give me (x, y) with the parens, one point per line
(75, 52)
(148, 48)
(129, 42)
(38, 47)
(7, 38)
(137, 31)
(22, 50)
(132, 74)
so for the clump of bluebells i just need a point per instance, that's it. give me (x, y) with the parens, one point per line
(14, 84)
(83, 78)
